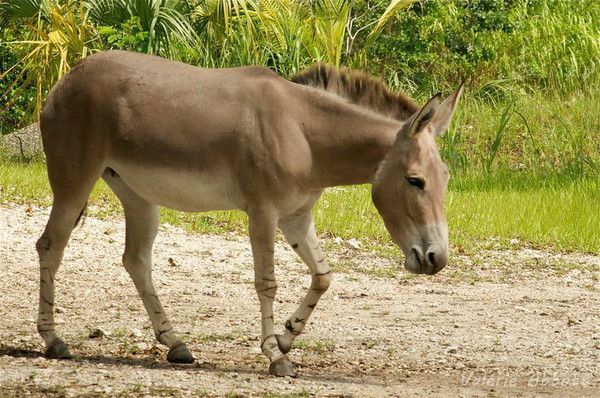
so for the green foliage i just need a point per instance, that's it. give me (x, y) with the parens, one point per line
(499, 44)
(285, 35)
(15, 101)
(542, 132)
(56, 37)
(129, 36)
(23, 9)
(494, 146)
(164, 21)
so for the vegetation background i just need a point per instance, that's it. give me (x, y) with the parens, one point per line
(524, 150)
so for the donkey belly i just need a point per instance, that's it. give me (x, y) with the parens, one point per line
(181, 189)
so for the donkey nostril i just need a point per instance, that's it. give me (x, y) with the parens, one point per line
(431, 258)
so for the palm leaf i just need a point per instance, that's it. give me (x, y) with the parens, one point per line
(391, 10)
(107, 12)
(53, 46)
(22, 8)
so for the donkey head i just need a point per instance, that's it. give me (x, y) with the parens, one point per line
(410, 185)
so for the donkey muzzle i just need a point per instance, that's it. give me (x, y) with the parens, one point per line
(429, 262)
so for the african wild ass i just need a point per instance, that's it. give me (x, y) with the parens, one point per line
(163, 133)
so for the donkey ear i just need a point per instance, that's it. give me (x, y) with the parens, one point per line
(443, 116)
(425, 115)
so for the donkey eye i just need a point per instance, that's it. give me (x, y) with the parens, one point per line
(416, 182)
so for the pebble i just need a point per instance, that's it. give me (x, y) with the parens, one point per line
(451, 349)
(353, 244)
(97, 333)
(142, 346)
(136, 333)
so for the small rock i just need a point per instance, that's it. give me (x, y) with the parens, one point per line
(338, 241)
(136, 333)
(353, 244)
(459, 365)
(451, 349)
(142, 346)
(97, 333)
(172, 262)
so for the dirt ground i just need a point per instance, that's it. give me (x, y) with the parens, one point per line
(496, 323)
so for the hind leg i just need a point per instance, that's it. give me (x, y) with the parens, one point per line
(141, 220)
(50, 247)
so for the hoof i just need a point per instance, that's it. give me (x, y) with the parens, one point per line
(282, 367)
(58, 350)
(284, 346)
(180, 354)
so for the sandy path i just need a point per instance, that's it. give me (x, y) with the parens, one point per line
(495, 324)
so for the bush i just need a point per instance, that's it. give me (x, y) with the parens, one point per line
(497, 44)
(130, 35)
(16, 102)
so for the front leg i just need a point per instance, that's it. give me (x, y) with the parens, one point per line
(262, 227)
(299, 231)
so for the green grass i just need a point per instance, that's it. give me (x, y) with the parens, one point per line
(316, 346)
(537, 132)
(559, 214)
(544, 211)
(555, 213)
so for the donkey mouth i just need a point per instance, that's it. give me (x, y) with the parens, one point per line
(418, 258)
(413, 262)
(420, 265)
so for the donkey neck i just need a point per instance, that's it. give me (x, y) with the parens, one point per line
(347, 142)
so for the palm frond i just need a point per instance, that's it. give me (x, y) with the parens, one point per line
(53, 46)
(392, 9)
(107, 12)
(22, 8)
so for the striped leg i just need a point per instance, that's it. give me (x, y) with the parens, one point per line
(50, 248)
(262, 227)
(299, 231)
(141, 220)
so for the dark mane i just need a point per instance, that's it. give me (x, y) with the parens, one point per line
(358, 88)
